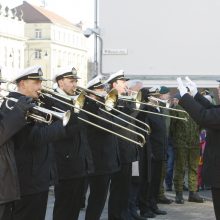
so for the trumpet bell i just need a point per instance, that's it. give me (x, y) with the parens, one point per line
(138, 99)
(111, 99)
(79, 102)
(65, 116)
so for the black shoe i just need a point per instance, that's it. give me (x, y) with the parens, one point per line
(195, 197)
(148, 214)
(159, 212)
(165, 200)
(135, 216)
(179, 198)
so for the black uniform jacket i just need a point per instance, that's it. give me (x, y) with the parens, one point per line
(128, 150)
(34, 153)
(73, 154)
(158, 137)
(145, 152)
(208, 116)
(104, 145)
(9, 124)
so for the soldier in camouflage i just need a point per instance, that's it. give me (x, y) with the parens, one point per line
(185, 136)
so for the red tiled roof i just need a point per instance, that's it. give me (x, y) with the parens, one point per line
(36, 14)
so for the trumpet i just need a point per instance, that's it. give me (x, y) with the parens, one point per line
(65, 116)
(78, 104)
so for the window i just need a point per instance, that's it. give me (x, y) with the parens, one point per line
(37, 54)
(19, 58)
(38, 33)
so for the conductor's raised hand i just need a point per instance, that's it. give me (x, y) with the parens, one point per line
(191, 85)
(182, 89)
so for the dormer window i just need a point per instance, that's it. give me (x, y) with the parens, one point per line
(38, 33)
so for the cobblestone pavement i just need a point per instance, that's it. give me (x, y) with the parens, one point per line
(188, 211)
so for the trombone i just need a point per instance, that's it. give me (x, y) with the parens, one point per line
(110, 102)
(78, 105)
(65, 116)
(137, 101)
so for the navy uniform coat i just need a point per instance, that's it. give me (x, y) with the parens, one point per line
(9, 186)
(73, 154)
(104, 145)
(34, 152)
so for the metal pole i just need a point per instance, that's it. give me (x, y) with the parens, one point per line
(100, 54)
(95, 36)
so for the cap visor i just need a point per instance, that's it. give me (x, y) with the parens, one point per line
(99, 86)
(124, 78)
(71, 77)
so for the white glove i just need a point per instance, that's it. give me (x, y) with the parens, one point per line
(192, 86)
(181, 87)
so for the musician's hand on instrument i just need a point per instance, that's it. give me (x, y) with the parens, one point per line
(192, 86)
(24, 104)
(182, 89)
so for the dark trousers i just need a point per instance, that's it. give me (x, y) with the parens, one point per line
(170, 165)
(98, 186)
(68, 197)
(133, 196)
(216, 202)
(149, 192)
(2, 210)
(31, 207)
(6, 211)
(119, 193)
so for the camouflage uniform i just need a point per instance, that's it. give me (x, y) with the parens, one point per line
(185, 136)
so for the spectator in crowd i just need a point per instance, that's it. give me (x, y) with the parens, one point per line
(167, 163)
(185, 135)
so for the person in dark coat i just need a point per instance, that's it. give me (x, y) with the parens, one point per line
(73, 155)
(33, 151)
(121, 180)
(207, 116)
(105, 152)
(158, 142)
(9, 185)
(140, 169)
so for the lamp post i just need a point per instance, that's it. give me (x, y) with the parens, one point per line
(95, 36)
(87, 33)
(34, 53)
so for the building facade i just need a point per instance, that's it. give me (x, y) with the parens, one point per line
(53, 42)
(12, 41)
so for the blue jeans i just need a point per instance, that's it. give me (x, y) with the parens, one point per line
(170, 164)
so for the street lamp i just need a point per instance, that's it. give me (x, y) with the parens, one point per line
(34, 53)
(96, 31)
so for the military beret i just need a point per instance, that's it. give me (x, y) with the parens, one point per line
(164, 90)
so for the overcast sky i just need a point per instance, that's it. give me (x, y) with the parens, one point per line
(73, 10)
